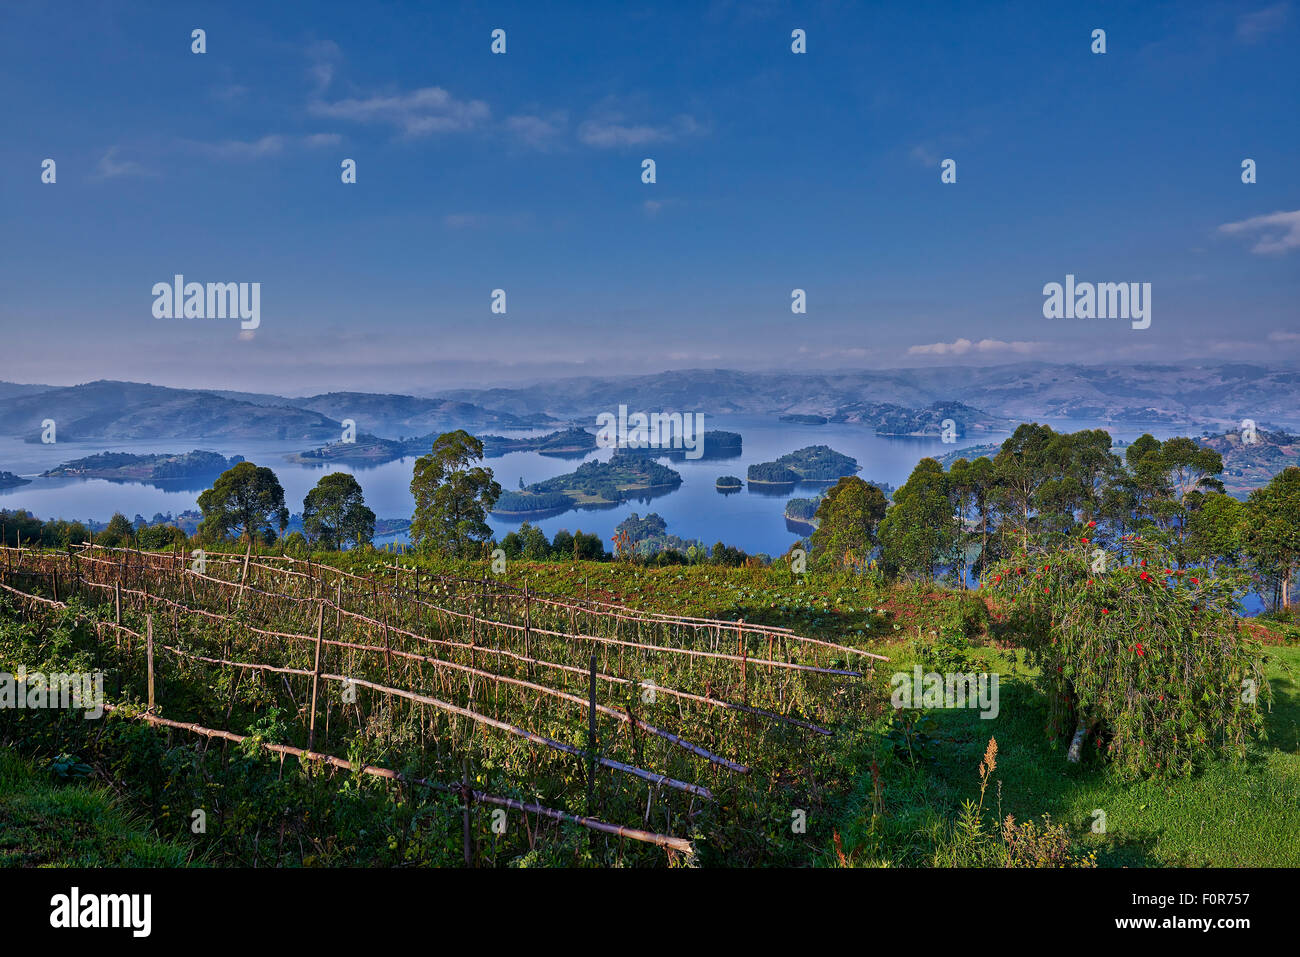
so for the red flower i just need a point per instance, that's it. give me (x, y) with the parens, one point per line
(1140, 652)
(1143, 563)
(1145, 576)
(1084, 540)
(1092, 524)
(1089, 581)
(1105, 611)
(1046, 590)
(1194, 581)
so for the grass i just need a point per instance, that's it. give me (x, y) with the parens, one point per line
(77, 824)
(1229, 815)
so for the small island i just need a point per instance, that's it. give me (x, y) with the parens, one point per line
(970, 454)
(129, 467)
(714, 444)
(593, 485)
(816, 463)
(801, 514)
(649, 536)
(373, 450)
(728, 483)
(562, 444)
(10, 480)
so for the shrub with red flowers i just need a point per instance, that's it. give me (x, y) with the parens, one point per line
(1152, 661)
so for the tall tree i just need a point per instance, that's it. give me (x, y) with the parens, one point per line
(335, 512)
(452, 498)
(118, 533)
(1217, 531)
(917, 534)
(1021, 467)
(1272, 539)
(1168, 481)
(846, 522)
(247, 499)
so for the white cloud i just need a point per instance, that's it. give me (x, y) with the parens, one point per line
(609, 130)
(538, 132)
(1274, 233)
(111, 168)
(272, 144)
(1252, 27)
(924, 156)
(324, 56)
(421, 112)
(961, 347)
(1282, 335)
(268, 145)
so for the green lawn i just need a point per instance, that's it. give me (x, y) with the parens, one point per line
(77, 824)
(1232, 814)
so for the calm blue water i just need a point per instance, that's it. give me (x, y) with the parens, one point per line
(749, 519)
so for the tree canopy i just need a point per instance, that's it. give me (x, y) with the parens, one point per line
(247, 499)
(452, 496)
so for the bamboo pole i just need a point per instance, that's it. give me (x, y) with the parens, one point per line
(635, 834)
(148, 622)
(315, 678)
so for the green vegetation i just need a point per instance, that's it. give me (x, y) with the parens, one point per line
(452, 498)
(1108, 606)
(846, 519)
(728, 482)
(648, 537)
(623, 477)
(816, 463)
(53, 819)
(564, 442)
(247, 499)
(125, 466)
(529, 544)
(335, 512)
(770, 473)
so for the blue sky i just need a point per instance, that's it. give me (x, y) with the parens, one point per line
(523, 172)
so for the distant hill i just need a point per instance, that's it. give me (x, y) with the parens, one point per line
(1251, 466)
(112, 411)
(14, 390)
(1196, 394)
(408, 415)
(119, 411)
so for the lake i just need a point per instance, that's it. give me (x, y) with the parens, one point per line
(751, 519)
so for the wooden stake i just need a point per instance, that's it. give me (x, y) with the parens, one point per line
(466, 791)
(591, 739)
(148, 623)
(315, 678)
